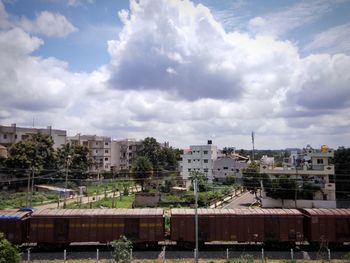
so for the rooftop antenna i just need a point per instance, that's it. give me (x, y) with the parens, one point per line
(253, 135)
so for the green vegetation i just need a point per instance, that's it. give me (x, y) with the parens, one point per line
(18, 200)
(242, 259)
(100, 187)
(121, 250)
(107, 202)
(8, 253)
(142, 170)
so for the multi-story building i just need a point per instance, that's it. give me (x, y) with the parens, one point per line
(229, 165)
(198, 158)
(124, 152)
(310, 167)
(100, 150)
(12, 134)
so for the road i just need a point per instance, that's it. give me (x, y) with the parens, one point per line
(242, 201)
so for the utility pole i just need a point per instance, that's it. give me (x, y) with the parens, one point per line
(196, 216)
(66, 184)
(253, 135)
(32, 188)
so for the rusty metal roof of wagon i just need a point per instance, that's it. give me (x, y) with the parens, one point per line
(327, 211)
(238, 211)
(98, 212)
(12, 214)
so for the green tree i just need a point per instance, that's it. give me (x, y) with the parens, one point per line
(142, 169)
(282, 187)
(36, 153)
(168, 156)
(342, 172)
(151, 150)
(121, 250)
(202, 181)
(8, 253)
(252, 178)
(79, 159)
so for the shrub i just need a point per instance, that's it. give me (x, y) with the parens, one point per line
(8, 253)
(121, 250)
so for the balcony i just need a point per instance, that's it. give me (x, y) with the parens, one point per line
(302, 170)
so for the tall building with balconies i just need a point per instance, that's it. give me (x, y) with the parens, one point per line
(199, 158)
(311, 167)
(100, 150)
(124, 153)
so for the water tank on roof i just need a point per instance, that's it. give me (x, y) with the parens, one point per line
(324, 148)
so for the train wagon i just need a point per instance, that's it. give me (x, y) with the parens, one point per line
(14, 224)
(240, 225)
(64, 226)
(328, 227)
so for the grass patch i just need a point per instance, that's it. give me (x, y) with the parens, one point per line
(124, 202)
(18, 200)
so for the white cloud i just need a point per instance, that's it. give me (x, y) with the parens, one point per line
(280, 22)
(175, 74)
(334, 40)
(78, 2)
(49, 24)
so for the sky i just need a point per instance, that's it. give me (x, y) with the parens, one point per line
(180, 71)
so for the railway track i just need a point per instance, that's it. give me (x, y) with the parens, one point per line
(173, 252)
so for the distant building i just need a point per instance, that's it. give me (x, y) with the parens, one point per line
(309, 166)
(230, 165)
(124, 153)
(100, 150)
(12, 134)
(198, 158)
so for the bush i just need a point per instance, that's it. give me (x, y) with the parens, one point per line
(121, 250)
(242, 259)
(8, 253)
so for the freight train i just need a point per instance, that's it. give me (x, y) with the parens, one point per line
(60, 227)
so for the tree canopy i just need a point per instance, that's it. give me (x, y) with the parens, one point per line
(36, 153)
(142, 169)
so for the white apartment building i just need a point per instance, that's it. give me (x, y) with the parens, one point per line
(198, 158)
(123, 153)
(230, 165)
(310, 166)
(12, 134)
(100, 150)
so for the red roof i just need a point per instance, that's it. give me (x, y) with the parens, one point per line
(327, 212)
(238, 211)
(98, 212)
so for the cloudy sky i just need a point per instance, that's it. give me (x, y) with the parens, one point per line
(180, 71)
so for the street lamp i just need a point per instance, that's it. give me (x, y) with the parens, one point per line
(68, 160)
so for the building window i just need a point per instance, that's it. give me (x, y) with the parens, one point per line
(106, 159)
(15, 136)
(331, 179)
(225, 168)
(106, 143)
(205, 160)
(205, 170)
(96, 143)
(96, 151)
(130, 147)
(106, 151)
(189, 161)
(319, 161)
(5, 136)
(189, 169)
(205, 152)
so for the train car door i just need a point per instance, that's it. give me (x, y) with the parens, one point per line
(132, 226)
(203, 229)
(271, 228)
(61, 230)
